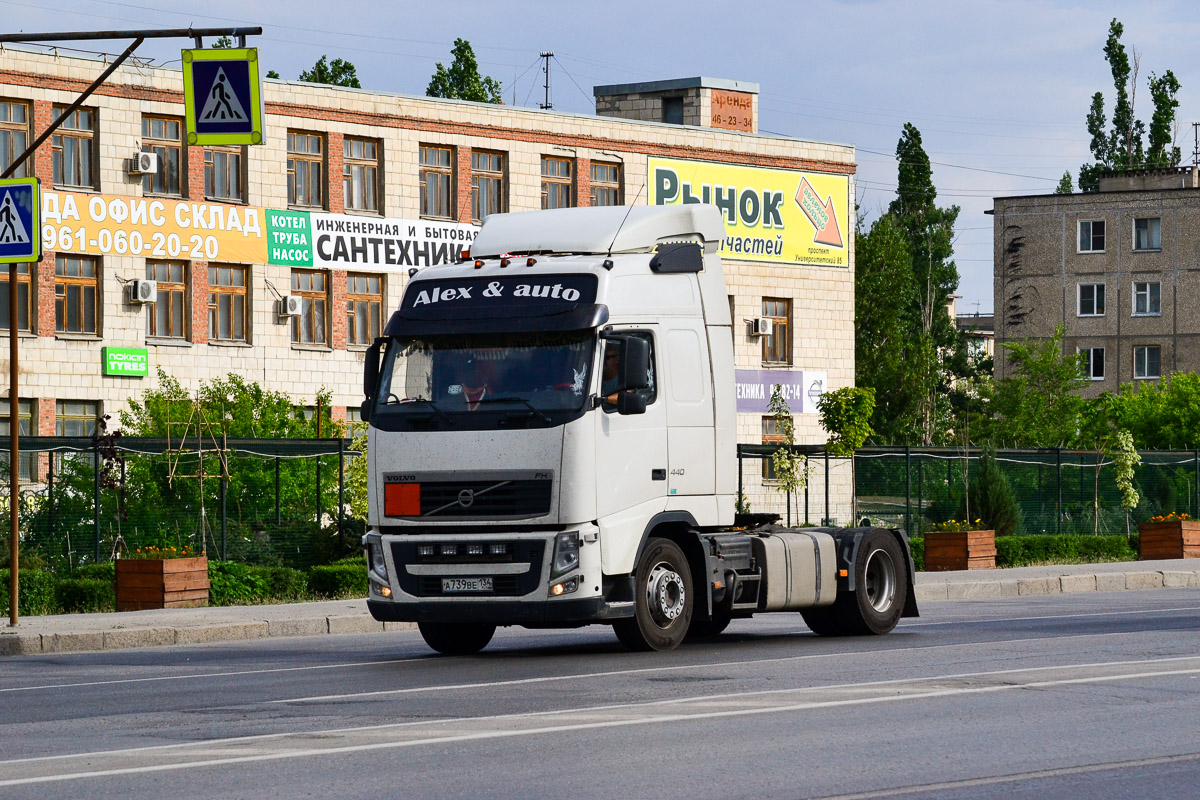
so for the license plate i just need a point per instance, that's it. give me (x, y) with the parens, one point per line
(456, 585)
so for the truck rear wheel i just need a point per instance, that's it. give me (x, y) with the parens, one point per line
(457, 638)
(881, 586)
(663, 599)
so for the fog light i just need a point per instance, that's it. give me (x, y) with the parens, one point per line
(474, 549)
(449, 549)
(566, 587)
(425, 550)
(498, 549)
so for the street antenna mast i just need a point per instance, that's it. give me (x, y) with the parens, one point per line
(547, 55)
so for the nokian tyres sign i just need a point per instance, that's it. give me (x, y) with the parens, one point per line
(125, 362)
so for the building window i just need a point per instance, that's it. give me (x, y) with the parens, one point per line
(14, 136)
(166, 315)
(777, 345)
(672, 110)
(76, 417)
(1091, 236)
(364, 299)
(1147, 362)
(312, 288)
(487, 184)
(1147, 234)
(71, 145)
(1091, 300)
(76, 292)
(226, 303)
(306, 155)
(606, 184)
(355, 424)
(161, 136)
(25, 461)
(360, 174)
(24, 310)
(1093, 362)
(437, 173)
(772, 434)
(1147, 299)
(223, 176)
(556, 182)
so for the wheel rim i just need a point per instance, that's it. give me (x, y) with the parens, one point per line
(880, 580)
(665, 595)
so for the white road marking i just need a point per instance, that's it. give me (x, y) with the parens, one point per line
(637, 719)
(920, 623)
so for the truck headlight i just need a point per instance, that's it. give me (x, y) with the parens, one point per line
(378, 564)
(566, 553)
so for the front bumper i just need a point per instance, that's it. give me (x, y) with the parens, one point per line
(503, 612)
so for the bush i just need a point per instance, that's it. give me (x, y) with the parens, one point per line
(83, 595)
(97, 572)
(1022, 551)
(992, 497)
(232, 584)
(917, 545)
(338, 580)
(35, 592)
(283, 583)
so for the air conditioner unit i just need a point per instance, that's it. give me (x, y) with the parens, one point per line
(290, 305)
(143, 164)
(761, 326)
(143, 291)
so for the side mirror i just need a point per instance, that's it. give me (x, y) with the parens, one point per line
(635, 365)
(371, 372)
(631, 403)
(364, 410)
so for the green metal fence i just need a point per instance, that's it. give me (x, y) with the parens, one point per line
(261, 501)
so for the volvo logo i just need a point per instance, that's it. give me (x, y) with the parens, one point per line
(466, 497)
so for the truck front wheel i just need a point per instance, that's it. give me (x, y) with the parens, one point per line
(881, 586)
(663, 599)
(457, 638)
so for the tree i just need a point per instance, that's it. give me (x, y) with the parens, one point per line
(1038, 405)
(462, 80)
(846, 417)
(1064, 185)
(272, 74)
(1161, 415)
(929, 231)
(223, 43)
(790, 467)
(334, 73)
(993, 497)
(1122, 146)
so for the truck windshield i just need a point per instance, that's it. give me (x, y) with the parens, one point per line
(492, 380)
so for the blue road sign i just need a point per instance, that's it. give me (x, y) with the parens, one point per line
(222, 96)
(20, 221)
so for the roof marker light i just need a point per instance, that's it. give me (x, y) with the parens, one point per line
(529, 262)
(479, 263)
(608, 264)
(504, 262)
(412, 271)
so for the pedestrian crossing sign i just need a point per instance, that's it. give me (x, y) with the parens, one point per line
(20, 226)
(222, 92)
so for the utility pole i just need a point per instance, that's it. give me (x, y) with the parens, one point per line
(1196, 146)
(547, 55)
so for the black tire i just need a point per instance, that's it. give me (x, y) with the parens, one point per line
(663, 598)
(708, 628)
(457, 638)
(881, 586)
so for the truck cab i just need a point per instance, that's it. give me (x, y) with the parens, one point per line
(552, 436)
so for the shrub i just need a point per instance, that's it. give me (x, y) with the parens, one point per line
(1021, 551)
(35, 592)
(917, 545)
(338, 580)
(97, 572)
(992, 497)
(231, 583)
(283, 583)
(83, 595)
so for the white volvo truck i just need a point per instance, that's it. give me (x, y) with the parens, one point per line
(552, 443)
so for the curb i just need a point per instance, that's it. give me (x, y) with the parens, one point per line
(933, 589)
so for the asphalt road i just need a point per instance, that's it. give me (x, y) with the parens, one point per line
(1068, 696)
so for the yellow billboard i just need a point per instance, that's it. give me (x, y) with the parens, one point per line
(778, 215)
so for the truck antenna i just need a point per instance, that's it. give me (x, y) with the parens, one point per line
(623, 219)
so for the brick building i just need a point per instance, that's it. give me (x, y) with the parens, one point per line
(279, 262)
(1119, 269)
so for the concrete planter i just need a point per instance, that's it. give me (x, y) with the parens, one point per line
(161, 583)
(952, 550)
(1174, 539)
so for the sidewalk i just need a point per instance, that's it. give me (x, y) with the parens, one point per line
(68, 633)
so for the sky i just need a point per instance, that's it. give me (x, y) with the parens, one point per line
(1000, 90)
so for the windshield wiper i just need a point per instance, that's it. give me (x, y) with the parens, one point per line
(537, 412)
(432, 406)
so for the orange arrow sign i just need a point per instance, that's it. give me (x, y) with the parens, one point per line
(821, 215)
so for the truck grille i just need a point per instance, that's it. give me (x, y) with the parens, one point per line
(474, 499)
(518, 551)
